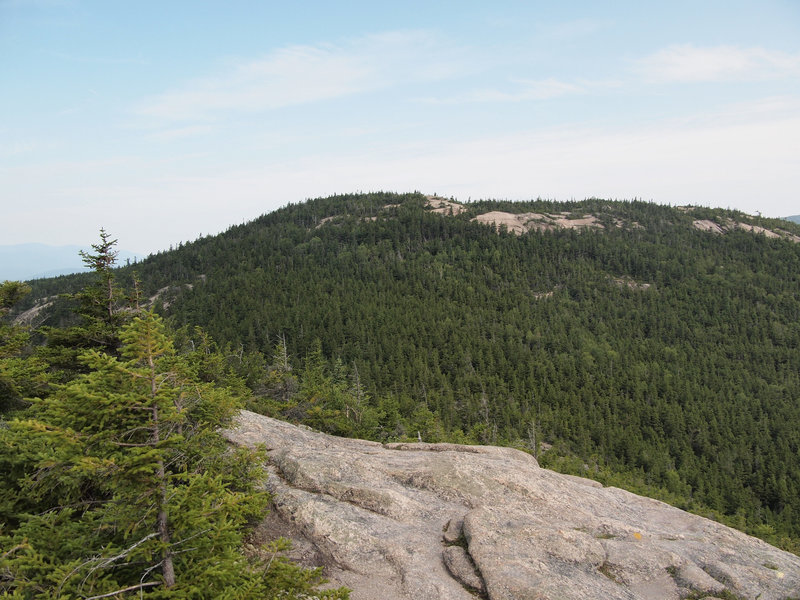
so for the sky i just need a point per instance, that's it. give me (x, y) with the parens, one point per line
(165, 121)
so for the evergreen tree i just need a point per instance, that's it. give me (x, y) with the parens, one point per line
(120, 482)
(99, 300)
(20, 374)
(101, 310)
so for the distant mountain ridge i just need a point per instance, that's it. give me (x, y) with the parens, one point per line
(793, 218)
(22, 262)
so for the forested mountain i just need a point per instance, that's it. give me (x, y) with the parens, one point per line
(647, 346)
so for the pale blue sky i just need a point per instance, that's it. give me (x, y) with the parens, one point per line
(162, 121)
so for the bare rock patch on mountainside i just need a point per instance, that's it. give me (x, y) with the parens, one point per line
(29, 317)
(729, 225)
(520, 223)
(444, 521)
(444, 206)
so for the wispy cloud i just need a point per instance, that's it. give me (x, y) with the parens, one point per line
(22, 147)
(308, 73)
(17, 144)
(688, 63)
(528, 90)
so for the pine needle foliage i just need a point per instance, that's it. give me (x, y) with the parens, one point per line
(119, 484)
(20, 373)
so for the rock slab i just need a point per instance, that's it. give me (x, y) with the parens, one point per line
(450, 522)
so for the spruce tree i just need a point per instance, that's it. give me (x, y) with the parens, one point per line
(101, 310)
(20, 375)
(119, 482)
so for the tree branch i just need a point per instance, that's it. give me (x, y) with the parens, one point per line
(132, 445)
(103, 562)
(130, 588)
(14, 549)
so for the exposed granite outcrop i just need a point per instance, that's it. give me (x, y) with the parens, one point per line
(442, 521)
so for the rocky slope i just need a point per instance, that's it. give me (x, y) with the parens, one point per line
(520, 223)
(441, 521)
